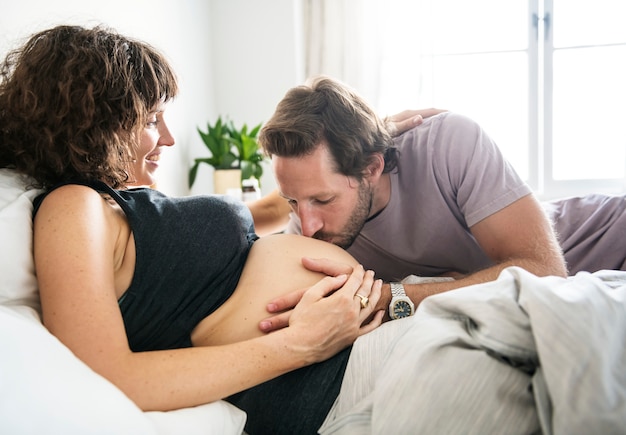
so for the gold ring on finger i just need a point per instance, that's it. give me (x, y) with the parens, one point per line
(364, 300)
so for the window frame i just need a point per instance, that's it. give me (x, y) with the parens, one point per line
(541, 107)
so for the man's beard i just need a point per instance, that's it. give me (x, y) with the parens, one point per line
(346, 237)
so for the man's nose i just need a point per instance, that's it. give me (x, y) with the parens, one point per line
(311, 222)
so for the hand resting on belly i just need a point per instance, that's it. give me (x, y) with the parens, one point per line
(273, 268)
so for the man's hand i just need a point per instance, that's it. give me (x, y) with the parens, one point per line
(284, 305)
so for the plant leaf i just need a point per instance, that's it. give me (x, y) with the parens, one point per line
(230, 147)
(192, 174)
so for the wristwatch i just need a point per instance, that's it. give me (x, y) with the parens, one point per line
(400, 306)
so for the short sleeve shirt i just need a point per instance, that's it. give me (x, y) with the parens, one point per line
(450, 176)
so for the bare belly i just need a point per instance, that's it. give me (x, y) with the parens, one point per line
(273, 269)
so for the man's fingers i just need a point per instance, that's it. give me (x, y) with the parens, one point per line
(275, 323)
(308, 296)
(325, 266)
(376, 321)
(285, 302)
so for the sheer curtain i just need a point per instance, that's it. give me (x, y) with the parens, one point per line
(468, 57)
(358, 42)
(523, 69)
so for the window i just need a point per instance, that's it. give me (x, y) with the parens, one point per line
(585, 66)
(545, 78)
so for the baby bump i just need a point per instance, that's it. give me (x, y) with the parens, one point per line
(273, 268)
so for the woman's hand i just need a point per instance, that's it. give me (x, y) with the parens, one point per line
(284, 305)
(407, 119)
(335, 312)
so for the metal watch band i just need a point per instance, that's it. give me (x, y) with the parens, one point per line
(397, 289)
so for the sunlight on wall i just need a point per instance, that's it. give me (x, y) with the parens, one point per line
(168, 27)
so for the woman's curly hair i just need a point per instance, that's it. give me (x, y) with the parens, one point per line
(72, 101)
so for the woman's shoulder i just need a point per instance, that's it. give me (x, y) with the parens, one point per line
(70, 190)
(73, 215)
(67, 196)
(70, 203)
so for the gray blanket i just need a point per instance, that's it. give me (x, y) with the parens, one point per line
(521, 354)
(591, 231)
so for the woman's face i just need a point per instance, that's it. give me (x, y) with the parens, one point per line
(153, 137)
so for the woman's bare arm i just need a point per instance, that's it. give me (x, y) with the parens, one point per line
(77, 242)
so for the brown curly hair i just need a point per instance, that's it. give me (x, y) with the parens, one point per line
(72, 101)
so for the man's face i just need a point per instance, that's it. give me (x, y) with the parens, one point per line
(331, 206)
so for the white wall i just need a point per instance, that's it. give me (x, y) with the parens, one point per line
(256, 49)
(235, 58)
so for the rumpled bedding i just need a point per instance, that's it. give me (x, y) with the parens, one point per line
(521, 354)
(591, 230)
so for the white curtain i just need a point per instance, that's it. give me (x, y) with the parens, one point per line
(375, 46)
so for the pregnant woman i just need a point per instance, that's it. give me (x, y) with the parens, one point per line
(161, 295)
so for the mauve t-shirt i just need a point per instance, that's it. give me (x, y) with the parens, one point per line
(450, 176)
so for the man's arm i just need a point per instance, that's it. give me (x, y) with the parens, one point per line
(518, 235)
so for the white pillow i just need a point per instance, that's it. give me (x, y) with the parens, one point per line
(217, 418)
(18, 285)
(44, 387)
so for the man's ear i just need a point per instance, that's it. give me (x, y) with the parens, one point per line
(375, 168)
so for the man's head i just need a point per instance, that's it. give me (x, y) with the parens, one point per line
(329, 151)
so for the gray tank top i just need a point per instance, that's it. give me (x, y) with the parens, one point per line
(190, 255)
(190, 252)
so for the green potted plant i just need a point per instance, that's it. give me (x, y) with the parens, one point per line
(232, 149)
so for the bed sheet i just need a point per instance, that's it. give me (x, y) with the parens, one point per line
(522, 354)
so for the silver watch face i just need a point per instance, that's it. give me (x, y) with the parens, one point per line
(401, 309)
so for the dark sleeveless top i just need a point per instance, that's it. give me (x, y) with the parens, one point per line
(190, 255)
(190, 252)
